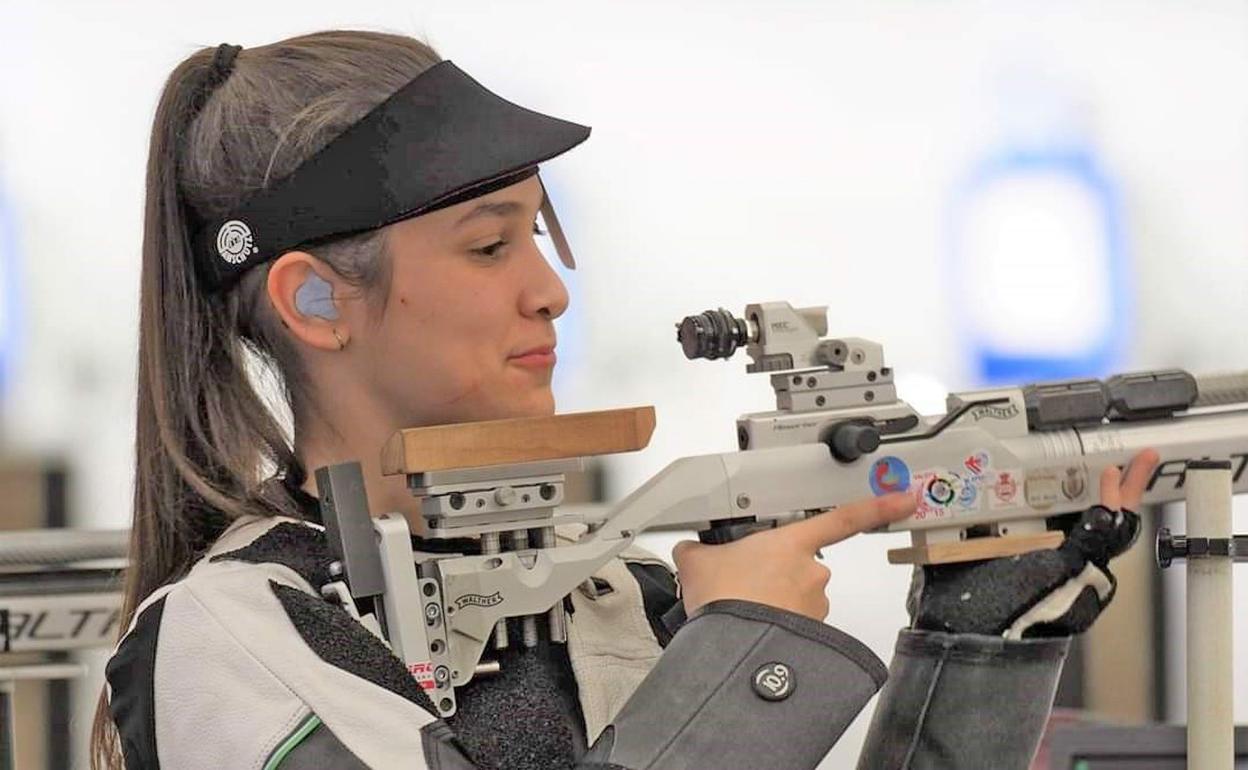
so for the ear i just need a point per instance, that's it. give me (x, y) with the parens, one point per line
(287, 275)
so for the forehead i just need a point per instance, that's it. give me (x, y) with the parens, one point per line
(521, 199)
(524, 197)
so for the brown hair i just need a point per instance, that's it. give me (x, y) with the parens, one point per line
(205, 438)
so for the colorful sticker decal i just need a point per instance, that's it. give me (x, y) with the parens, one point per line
(888, 475)
(968, 496)
(422, 671)
(1005, 488)
(941, 493)
(941, 490)
(918, 488)
(977, 463)
(935, 491)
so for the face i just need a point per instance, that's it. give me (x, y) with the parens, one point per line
(467, 332)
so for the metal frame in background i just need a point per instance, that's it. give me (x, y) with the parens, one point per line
(1078, 747)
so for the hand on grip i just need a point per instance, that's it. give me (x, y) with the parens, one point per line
(778, 567)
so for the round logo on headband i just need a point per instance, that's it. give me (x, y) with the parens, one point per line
(234, 242)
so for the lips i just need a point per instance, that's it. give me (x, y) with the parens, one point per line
(539, 357)
(540, 350)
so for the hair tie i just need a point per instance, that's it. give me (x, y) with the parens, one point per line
(223, 63)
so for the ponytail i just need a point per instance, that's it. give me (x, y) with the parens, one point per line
(205, 437)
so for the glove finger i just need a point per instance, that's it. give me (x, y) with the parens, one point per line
(1091, 536)
(1126, 531)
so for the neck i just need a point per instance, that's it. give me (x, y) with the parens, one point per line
(328, 439)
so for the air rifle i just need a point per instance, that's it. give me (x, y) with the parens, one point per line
(990, 477)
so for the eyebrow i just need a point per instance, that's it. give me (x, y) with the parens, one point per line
(499, 209)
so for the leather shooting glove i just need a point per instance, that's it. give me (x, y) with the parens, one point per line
(1053, 592)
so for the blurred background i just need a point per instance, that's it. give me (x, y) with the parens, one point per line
(997, 192)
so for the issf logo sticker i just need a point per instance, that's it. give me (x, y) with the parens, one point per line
(942, 489)
(942, 493)
(889, 474)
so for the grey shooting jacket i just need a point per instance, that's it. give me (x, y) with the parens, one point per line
(242, 664)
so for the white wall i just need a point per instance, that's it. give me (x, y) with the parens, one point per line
(742, 151)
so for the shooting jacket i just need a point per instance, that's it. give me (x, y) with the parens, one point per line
(242, 664)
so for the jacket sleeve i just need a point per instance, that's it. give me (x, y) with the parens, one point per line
(742, 685)
(232, 668)
(963, 700)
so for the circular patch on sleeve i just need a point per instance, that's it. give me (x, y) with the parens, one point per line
(774, 681)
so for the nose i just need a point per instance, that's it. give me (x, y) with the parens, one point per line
(544, 293)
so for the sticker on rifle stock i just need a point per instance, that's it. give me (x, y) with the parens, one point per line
(935, 492)
(1042, 489)
(889, 474)
(1075, 484)
(941, 493)
(422, 672)
(977, 463)
(941, 490)
(968, 495)
(1005, 488)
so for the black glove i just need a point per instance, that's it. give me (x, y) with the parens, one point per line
(1054, 592)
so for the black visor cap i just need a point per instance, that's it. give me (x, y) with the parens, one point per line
(441, 139)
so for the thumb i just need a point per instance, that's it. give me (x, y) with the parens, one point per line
(683, 550)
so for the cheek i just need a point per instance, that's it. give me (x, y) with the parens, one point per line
(445, 341)
(442, 346)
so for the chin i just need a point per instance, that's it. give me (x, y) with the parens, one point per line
(515, 405)
(541, 405)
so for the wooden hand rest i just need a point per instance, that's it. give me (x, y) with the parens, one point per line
(520, 440)
(975, 549)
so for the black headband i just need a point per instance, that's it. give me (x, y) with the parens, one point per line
(439, 140)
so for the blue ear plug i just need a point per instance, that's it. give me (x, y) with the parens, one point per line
(316, 298)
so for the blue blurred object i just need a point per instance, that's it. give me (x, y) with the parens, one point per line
(1040, 265)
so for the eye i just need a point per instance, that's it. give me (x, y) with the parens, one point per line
(490, 251)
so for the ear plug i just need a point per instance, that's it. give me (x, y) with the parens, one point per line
(315, 297)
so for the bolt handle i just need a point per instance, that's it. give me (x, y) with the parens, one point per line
(851, 440)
